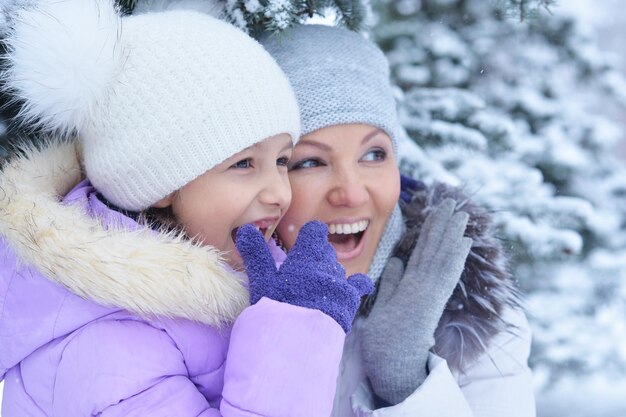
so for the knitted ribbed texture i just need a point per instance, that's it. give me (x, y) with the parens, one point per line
(193, 91)
(390, 238)
(339, 77)
(157, 98)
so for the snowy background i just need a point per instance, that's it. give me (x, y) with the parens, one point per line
(529, 116)
(600, 391)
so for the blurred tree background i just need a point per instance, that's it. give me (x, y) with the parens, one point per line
(517, 105)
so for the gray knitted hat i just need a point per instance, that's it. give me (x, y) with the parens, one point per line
(339, 78)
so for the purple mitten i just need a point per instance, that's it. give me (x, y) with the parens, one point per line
(310, 277)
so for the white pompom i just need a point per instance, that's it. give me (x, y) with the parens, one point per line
(211, 7)
(62, 57)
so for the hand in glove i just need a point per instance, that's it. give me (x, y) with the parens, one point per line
(310, 276)
(399, 331)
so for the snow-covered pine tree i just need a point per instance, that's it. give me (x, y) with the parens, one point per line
(515, 107)
(254, 16)
(259, 16)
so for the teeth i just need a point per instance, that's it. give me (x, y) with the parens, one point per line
(348, 228)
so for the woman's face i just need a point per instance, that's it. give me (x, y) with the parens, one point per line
(345, 176)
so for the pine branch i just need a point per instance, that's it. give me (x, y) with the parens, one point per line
(352, 13)
(309, 8)
(127, 6)
(258, 16)
(524, 9)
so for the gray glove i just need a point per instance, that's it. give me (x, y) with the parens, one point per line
(399, 331)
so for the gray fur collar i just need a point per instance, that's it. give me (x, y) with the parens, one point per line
(142, 271)
(473, 315)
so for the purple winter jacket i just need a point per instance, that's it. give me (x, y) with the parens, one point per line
(102, 317)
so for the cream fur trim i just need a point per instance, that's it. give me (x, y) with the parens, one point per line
(142, 271)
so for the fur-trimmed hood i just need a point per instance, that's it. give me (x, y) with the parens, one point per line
(473, 315)
(146, 272)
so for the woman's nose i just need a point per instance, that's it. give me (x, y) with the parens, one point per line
(349, 191)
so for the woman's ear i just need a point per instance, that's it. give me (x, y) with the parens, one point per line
(164, 202)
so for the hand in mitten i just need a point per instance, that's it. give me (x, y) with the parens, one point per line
(310, 276)
(399, 331)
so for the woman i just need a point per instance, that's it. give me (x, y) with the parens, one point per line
(445, 334)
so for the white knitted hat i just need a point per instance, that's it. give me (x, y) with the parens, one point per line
(157, 99)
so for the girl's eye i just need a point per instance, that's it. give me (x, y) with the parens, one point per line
(306, 163)
(282, 161)
(243, 164)
(375, 155)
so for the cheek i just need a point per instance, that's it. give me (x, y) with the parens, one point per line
(390, 198)
(288, 230)
(212, 227)
(305, 201)
(385, 189)
(210, 223)
(290, 225)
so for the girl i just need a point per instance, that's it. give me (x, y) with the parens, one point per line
(182, 123)
(445, 335)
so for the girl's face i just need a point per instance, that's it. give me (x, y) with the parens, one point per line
(345, 176)
(252, 186)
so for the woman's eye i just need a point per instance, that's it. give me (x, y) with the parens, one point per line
(375, 155)
(243, 164)
(306, 163)
(282, 162)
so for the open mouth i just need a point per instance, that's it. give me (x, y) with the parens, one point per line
(265, 231)
(347, 238)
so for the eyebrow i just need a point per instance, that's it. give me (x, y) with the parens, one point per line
(315, 144)
(324, 147)
(370, 135)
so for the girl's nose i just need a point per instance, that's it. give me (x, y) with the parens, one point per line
(277, 191)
